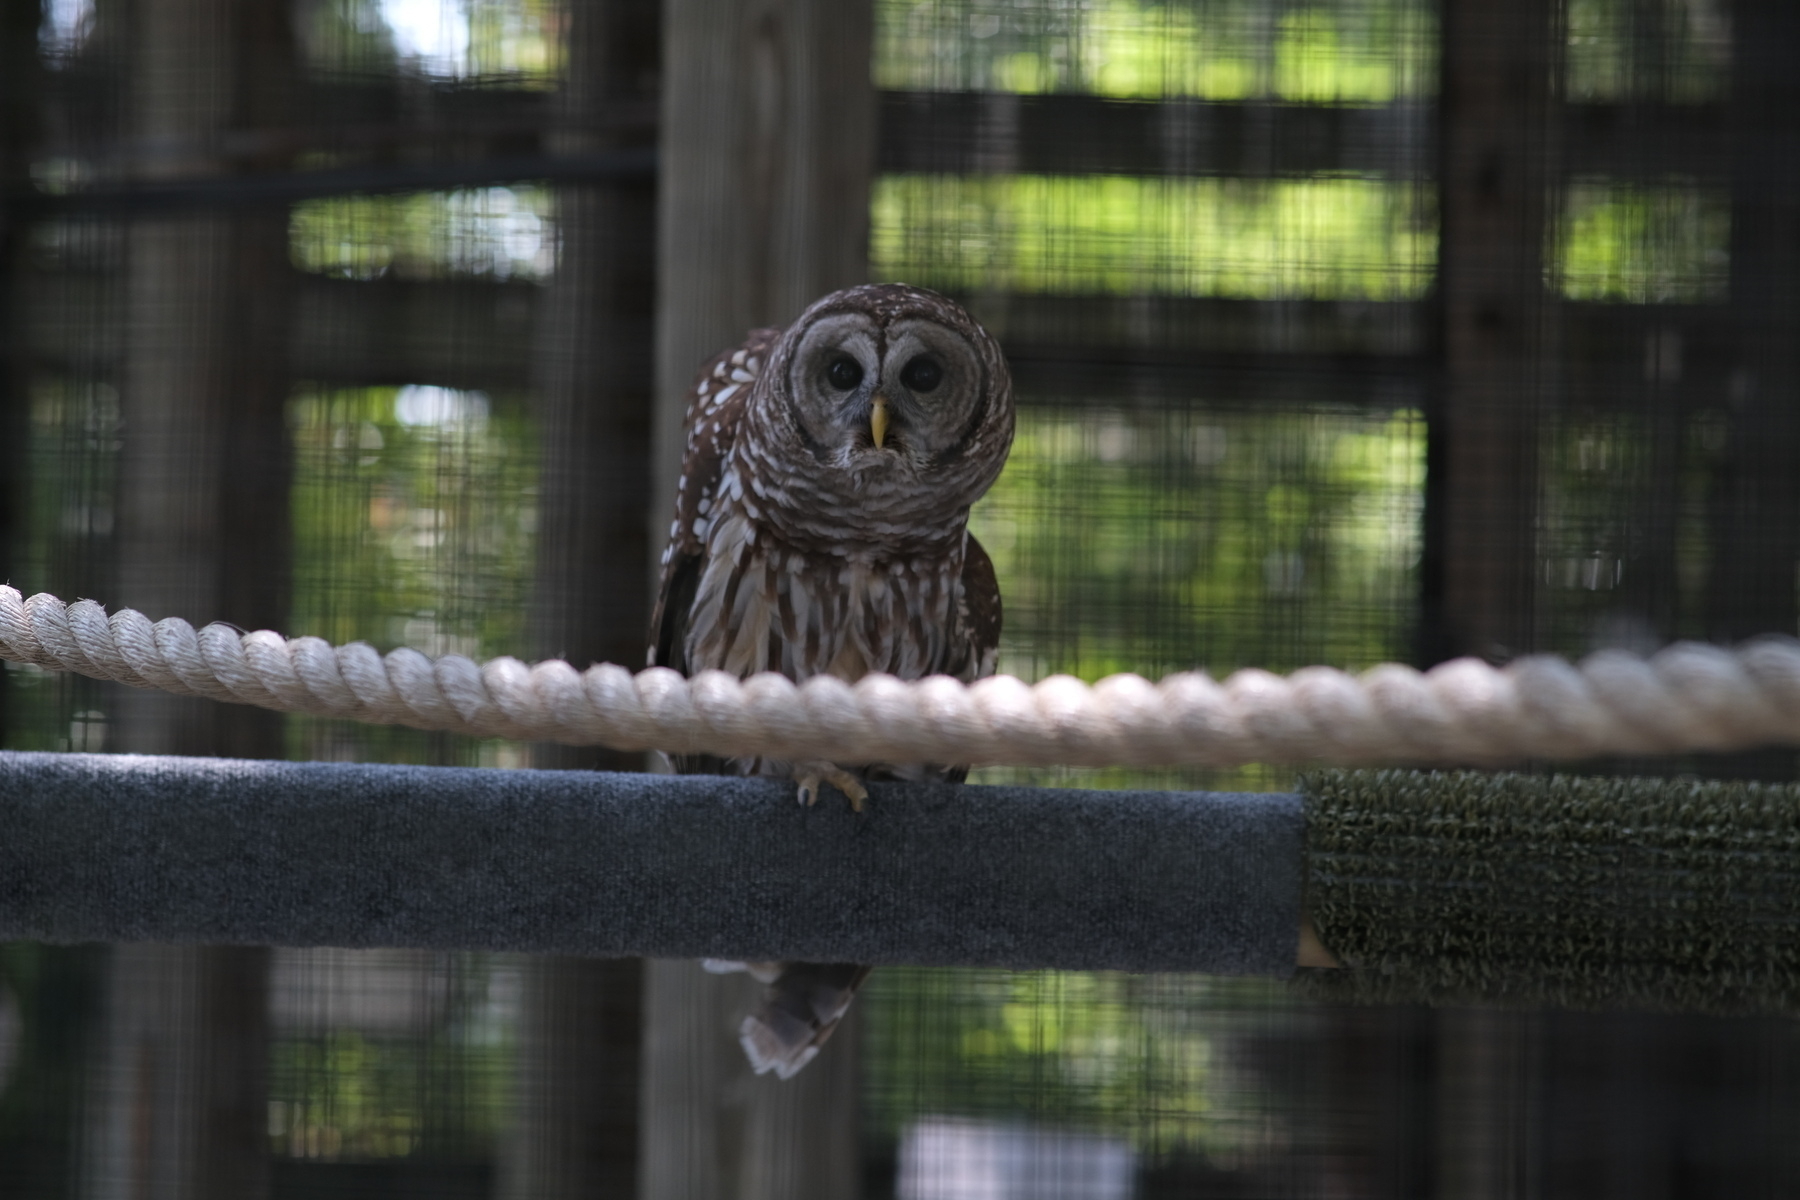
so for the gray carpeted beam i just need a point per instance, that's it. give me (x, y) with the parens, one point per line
(127, 848)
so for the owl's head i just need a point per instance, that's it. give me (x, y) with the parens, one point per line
(893, 388)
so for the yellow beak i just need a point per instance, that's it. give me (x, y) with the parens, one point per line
(878, 420)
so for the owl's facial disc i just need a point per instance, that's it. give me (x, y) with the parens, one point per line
(832, 385)
(932, 379)
(872, 399)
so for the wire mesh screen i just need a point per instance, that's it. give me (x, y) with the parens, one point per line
(390, 1055)
(1181, 268)
(1329, 349)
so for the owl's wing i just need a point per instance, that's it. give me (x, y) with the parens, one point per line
(979, 619)
(713, 416)
(980, 611)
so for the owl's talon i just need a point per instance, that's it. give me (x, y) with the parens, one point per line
(815, 773)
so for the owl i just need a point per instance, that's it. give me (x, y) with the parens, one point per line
(821, 527)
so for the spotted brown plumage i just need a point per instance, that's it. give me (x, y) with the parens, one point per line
(821, 527)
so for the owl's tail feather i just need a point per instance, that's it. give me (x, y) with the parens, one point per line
(801, 1007)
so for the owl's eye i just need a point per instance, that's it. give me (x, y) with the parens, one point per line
(844, 374)
(922, 374)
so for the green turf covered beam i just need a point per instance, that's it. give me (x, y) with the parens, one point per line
(1581, 891)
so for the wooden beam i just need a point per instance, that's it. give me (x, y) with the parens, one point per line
(1647, 140)
(978, 132)
(1065, 350)
(460, 137)
(452, 333)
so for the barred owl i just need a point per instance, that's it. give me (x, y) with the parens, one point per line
(821, 527)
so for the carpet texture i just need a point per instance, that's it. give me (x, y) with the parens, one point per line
(129, 848)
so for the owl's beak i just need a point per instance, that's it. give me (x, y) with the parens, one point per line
(878, 420)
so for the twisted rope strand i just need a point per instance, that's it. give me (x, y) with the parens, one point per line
(1686, 697)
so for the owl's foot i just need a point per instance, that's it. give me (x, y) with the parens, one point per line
(811, 774)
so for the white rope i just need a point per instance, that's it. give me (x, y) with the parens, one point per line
(1687, 697)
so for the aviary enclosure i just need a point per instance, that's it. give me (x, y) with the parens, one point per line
(1345, 331)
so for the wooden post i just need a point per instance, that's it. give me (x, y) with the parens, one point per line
(1490, 1069)
(767, 152)
(1497, 115)
(576, 1123)
(594, 369)
(1495, 125)
(768, 148)
(179, 1106)
(1755, 534)
(21, 81)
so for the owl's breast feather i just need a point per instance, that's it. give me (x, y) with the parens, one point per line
(764, 604)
